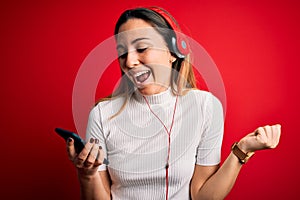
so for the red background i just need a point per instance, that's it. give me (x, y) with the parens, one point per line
(255, 45)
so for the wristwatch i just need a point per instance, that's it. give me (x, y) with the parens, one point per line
(242, 156)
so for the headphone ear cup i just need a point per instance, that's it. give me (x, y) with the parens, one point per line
(180, 45)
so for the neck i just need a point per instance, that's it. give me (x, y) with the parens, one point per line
(161, 97)
(151, 90)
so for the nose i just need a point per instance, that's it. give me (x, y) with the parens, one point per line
(132, 59)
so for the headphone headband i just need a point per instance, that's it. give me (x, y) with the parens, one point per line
(179, 43)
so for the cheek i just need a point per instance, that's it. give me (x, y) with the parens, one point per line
(122, 65)
(161, 73)
(158, 57)
(160, 63)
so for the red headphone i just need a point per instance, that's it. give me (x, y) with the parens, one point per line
(179, 44)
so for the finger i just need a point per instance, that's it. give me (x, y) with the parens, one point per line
(278, 127)
(258, 131)
(90, 161)
(100, 156)
(268, 131)
(81, 158)
(264, 137)
(71, 149)
(276, 130)
(260, 134)
(269, 135)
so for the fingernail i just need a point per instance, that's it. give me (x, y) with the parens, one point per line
(96, 141)
(105, 161)
(69, 140)
(91, 140)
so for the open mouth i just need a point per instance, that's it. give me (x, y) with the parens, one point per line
(142, 76)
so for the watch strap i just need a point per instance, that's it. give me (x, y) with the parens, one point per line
(242, 156)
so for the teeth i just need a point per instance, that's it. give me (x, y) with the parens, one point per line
(140, 73)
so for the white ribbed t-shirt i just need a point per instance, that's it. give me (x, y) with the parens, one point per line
(136, 143)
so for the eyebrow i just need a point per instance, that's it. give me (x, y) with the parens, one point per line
(138, 39)
(134, 41)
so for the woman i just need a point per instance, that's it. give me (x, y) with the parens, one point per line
(161, 136)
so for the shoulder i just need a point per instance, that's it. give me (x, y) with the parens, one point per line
(201, 96)
(203, 99)
(113, 101)
(109, 106)
(198, 93)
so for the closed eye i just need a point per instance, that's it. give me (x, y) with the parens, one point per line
(123, 55)
(141, 50)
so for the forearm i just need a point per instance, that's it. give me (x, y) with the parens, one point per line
(221, 182)
(93, 188)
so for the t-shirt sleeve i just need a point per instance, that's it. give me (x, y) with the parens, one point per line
(95, 130)
(209, 148)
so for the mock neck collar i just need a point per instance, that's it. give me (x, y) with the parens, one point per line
(159, 98)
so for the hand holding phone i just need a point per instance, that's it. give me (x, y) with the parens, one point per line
(79, 143)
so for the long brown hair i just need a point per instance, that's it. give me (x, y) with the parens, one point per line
(182, 77)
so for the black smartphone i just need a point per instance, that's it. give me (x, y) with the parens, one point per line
(78, 141)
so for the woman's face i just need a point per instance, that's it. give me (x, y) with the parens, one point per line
(144, 56)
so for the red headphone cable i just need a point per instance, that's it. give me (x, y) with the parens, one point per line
(169, 140)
